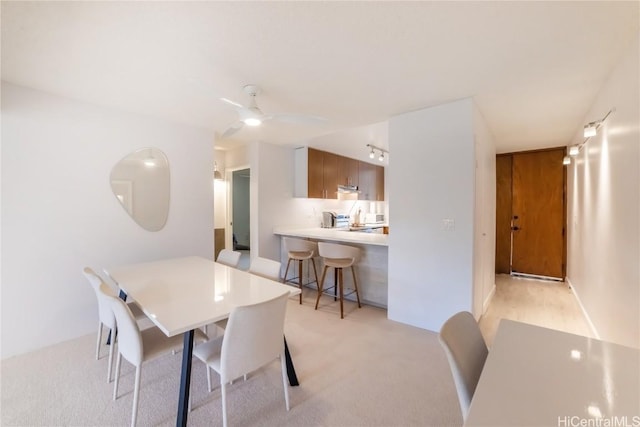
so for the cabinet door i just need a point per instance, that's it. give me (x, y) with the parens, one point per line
(366, 178)
(379, 193)
(330, 175)
(315, 183)
(348, 171)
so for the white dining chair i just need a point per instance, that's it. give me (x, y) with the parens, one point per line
(139, 346)
(466, 352)
(229, 257)
(264, 267)
(105, 314)
(254, 338)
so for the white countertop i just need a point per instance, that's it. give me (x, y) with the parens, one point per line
(334, 234)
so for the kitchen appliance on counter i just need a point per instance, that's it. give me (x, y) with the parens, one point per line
(373, 218)
(334, 220)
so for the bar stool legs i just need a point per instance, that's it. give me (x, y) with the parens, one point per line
(315, 272)
(338, 287)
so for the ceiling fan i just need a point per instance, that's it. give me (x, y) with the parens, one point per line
(252, 115)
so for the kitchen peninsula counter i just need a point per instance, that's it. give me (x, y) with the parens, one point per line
(335, 235)
(371, 268)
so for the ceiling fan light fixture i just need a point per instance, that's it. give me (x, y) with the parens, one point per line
(252, 121)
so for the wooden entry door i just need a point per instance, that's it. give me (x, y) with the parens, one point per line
(537, 214)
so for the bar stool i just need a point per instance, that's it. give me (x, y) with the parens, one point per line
(300, 250)
(338, 257)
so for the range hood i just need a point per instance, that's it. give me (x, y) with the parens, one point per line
(348, 192)
(348, 189)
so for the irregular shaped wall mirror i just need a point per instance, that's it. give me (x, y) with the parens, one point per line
(140, 182)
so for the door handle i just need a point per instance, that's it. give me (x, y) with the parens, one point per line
(516, 228)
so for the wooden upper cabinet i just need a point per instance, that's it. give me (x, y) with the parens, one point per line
(322, 174)
(315, 181)
(371, 182)
(318, 174)
(330, 175)
(366, 178)
(348, 171)
(379, 184)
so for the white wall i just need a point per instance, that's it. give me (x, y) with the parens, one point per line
(484, 259)
(431, 179)
(604, 209)
(272, 175)
(59, 214)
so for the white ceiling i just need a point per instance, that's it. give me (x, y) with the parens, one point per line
(533, 68)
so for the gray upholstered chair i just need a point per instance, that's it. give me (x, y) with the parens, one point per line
(466, 352)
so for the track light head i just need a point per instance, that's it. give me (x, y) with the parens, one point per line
(591, 129)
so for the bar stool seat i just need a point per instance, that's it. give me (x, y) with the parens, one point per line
(338, 257)
(300, 250)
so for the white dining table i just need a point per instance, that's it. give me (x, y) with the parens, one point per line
(180, 295)
(534, 376)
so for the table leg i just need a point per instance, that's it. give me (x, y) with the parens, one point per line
(291, 370)
(185, 379)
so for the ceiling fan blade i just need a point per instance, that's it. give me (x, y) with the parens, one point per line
(298, 119)
(230, 102)
(233, 129)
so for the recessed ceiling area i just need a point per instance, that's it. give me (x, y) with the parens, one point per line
(533, 68)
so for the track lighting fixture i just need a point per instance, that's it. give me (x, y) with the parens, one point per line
(591, 129)
(372, 153)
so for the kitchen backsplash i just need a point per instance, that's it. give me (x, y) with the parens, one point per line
(308, 212)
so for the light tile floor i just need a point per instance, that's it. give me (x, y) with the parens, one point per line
(538, 302)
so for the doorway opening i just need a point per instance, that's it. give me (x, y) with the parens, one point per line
(240, 214)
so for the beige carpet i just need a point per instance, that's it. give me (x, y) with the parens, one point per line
(364, 370)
